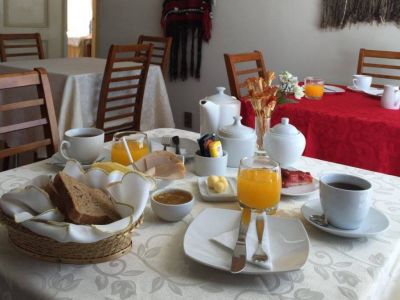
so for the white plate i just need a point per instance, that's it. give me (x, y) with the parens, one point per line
(331, 89)
(369, 91)
(212, 222)
(376, 222)
(187, 147)
(209, 195)
(59, 161)
(301, 190)
(374, 92)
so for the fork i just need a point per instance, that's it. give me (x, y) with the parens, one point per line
(260, 255)
(166, 141)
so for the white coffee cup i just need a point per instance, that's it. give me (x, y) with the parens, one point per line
(345, 199)
(362, 82)
(83, 144)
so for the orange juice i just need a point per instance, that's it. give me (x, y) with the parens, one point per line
(314, 91)
(259, 188)
(137, 149)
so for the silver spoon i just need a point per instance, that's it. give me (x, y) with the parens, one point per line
(320, 220)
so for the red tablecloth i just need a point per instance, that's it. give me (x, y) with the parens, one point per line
(349, 128)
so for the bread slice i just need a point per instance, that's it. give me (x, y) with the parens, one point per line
(83, 204)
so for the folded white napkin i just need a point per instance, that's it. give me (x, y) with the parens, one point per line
(229, 238)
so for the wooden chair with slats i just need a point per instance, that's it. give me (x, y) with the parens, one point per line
(21, 45)
(122, 89)
(161, 50)
(367, 65)
(253, 66)
(44, 103)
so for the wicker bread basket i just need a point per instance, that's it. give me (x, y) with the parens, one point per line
(44, 248)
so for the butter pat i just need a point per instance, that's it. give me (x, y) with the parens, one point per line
(217, 183)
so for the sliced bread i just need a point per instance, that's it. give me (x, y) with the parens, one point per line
(81, 203)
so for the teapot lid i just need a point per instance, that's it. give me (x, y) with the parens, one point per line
(236, 130)
(284, 128)
(221, 97)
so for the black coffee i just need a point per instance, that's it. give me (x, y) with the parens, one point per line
(84, 135)
(346, 186)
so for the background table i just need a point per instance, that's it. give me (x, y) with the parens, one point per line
(76, 84)
(156, 267)
(348, 128)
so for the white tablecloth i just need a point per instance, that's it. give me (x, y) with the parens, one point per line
(76, 84)
(156, 267)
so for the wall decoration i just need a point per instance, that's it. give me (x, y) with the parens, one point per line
(26, 13)
(188, 22)
(341, 13)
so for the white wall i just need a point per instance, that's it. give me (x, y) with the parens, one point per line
(286, 31)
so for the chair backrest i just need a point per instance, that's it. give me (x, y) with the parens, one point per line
(379, 64)
(20, 44)
(161, 50)
(47, 120)
(242, 66)
(122, 89)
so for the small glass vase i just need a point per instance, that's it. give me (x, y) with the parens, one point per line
(262, 125)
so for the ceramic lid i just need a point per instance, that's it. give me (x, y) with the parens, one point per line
(236, 130)
(284, 128)
(221, 97)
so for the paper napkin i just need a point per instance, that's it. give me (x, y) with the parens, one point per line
(228, 239)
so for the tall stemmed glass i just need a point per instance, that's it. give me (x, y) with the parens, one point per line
(259, 184)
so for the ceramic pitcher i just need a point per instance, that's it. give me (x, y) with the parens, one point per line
(391, 97)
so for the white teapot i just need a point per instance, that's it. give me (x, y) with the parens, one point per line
(391, 97)
(284, 143)
(217, 111)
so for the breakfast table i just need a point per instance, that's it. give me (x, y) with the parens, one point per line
(76, 84)
(349, 128)
(157, 268)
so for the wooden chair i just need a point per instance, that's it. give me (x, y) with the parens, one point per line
(20, 41)
(122, 89)
(161, 50)
(44, 102)
(365, 67)
(237, 76)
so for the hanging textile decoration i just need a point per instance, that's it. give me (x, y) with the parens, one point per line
(188, 22)
(340, 13)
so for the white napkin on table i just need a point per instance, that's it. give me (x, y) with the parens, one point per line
(228, 239)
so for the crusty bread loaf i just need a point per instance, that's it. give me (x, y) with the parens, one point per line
(80, 203)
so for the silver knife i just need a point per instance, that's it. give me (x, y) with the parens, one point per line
(239, 253)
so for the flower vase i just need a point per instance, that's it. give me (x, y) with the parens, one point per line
(262, 125)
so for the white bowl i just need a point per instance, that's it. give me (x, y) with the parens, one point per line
(171, 212)
(207, 166)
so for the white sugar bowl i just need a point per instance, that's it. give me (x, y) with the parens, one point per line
(238, 141)
(284, 143)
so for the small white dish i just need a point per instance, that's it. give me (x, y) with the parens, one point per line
(289, 242)
(331, 89)
(374, 92)
(376, 222)
(187, 147)
(301, 190)
(59, 161)
(230, 194)
(171, 212)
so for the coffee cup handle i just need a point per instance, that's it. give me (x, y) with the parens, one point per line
(355, 83)
(65, 144)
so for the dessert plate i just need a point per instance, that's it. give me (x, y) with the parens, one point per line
(376, 222)
(301, 190)
(187, 147)
(289, 242)
(331, 89)
(230, 194)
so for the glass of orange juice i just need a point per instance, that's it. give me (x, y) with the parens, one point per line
(137, 142)
(259, 184)
(313, 88)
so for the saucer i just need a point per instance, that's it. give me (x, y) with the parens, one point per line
(289, 242)
(59, 161)
(368, 91)
(209, 195)
(376, 222)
